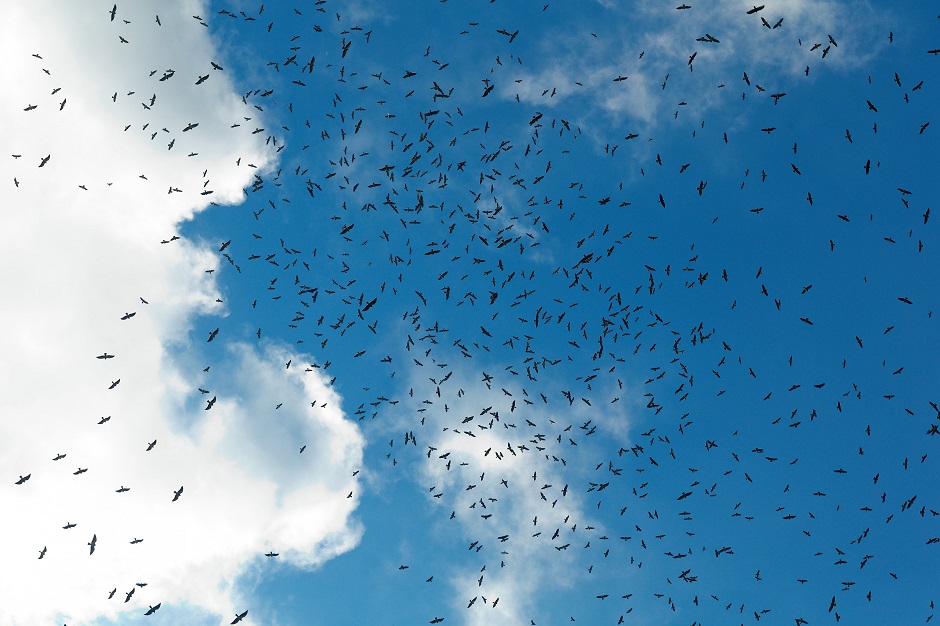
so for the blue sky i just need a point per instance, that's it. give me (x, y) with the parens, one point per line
(481, 312)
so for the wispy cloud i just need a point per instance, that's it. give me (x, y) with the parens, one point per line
(655, 40)
(502, 472)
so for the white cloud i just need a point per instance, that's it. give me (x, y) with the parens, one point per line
(79, 249)
(467, 466)
(667, 38)
(532, 564)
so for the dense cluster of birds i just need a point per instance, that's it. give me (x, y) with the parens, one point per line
(449, 242)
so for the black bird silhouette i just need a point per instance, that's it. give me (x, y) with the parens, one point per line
(153, 609)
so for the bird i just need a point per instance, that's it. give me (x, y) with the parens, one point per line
(177, 493)
(92, 544)
(23, 479)
(239, 617)
(153, 609)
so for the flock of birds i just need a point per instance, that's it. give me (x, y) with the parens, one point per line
(447, 235)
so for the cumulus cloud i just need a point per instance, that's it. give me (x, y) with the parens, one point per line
(80, 249)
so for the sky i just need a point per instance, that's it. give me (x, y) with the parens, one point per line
(357, 312)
